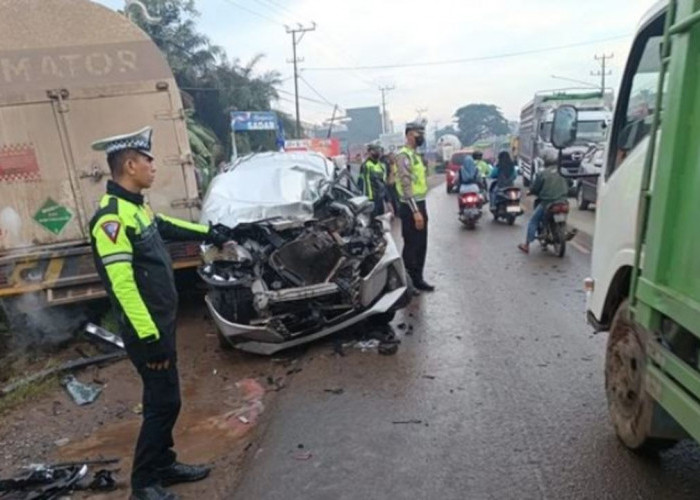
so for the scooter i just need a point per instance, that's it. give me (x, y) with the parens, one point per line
(552, 228)
(505, 203)
(470, 202)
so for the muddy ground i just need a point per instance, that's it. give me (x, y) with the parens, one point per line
(218, 387)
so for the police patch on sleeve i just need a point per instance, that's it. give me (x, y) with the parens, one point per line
(111, 229)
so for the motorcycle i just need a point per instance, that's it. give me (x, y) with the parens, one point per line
(552, 228)
(470, 202)
(505, 203)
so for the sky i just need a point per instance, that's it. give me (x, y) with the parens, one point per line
(514, 48)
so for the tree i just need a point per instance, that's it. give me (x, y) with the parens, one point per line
(215, 84)
(449, 130)
(478, 121)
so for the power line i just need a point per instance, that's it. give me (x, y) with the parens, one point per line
(262, 16)
(305, 98)
(468, 59)
(316, 91)
(277, 9)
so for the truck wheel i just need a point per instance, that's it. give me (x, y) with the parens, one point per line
(631, 408)
(526, 181)
(580, 200)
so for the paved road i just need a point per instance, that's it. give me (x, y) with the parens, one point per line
(503, 375)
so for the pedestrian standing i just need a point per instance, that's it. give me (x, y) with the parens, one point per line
(412, 186)
(136, 271)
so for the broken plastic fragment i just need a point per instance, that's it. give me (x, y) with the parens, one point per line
(82, 394)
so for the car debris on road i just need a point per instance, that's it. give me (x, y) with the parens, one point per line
(49, 482)
(82, 394)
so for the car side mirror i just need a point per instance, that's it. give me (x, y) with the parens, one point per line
(564, 127)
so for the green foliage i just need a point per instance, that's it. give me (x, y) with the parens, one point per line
(214, 84)
(478, 121)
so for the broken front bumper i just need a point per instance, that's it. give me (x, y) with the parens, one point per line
(383, 290)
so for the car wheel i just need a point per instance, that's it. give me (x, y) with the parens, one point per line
(581, 202)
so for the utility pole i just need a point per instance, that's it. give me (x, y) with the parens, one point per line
(295, 41)
(330, 126)
(384, 90)
(602, 73)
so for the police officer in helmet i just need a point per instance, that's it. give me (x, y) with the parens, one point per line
(136, 271)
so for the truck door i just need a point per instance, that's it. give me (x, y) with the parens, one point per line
(175, 189)
(38, 194)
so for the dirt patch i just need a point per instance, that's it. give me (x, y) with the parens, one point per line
(224, 396)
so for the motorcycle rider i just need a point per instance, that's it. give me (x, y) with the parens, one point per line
(549, 187)
(503, 173)
(468, 173)
(485, 169)
(373, 175)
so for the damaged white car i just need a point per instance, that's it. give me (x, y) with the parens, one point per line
(308, 261)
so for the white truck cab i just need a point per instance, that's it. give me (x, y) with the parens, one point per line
(620, 181)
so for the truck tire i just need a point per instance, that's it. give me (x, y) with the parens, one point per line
(581, 202)
(526, 181)
(631, 408)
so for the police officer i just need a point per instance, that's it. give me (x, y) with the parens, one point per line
(373, 175)
(136, 270)
(412, 187)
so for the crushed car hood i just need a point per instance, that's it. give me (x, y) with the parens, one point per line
(264, 186)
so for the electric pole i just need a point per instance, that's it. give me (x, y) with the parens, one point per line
(602, 73)
(384, 90)
(295, 41)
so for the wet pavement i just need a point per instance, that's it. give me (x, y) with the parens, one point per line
(497, 393)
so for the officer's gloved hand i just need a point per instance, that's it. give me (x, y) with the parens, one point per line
(157, 355)
(218, 235)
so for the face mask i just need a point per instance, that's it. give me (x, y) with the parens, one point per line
(420, 140)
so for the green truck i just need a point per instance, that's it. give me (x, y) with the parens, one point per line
(645, 284)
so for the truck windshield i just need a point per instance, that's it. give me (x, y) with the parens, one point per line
(591, 130)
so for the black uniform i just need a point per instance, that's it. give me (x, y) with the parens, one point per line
(136, 270)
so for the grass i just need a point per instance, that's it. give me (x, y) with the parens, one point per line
(28, 392)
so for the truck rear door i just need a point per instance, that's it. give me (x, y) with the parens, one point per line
(38, 196)
(91, 118)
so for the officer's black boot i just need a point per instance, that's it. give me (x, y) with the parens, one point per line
(152, 493)
(424, 286)
(182, 473)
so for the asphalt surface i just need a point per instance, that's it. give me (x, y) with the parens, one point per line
(499, 388)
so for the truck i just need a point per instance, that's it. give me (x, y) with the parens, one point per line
(644, 289)
(72, 72)
(447, 145)
(534, 148)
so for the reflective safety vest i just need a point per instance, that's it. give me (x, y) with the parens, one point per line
(419, 180)
(371, 175)
(134, 264)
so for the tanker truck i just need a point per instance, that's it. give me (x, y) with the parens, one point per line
(62, 86)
